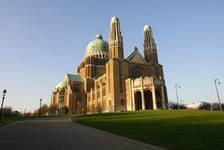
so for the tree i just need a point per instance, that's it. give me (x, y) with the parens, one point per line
(174, 105)
(44, 110)
(52, 110)
(9, 112)
(205, 106)
(215, 106)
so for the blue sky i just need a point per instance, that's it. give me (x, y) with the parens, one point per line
(42, 40)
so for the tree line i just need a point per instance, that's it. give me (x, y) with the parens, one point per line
(203, 106)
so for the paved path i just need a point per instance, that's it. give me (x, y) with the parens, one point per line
(62, 135)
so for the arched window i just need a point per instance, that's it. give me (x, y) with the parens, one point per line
(61, 96)
(104, 91)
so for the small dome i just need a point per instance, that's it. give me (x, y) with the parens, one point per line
(99, 36)
(61, 85)
(114, 19)
(146, 28)
(98, 47)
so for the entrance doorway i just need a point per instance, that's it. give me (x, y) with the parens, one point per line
(148, 99)
(138, 101)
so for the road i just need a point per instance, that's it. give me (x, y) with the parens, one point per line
(62, 134)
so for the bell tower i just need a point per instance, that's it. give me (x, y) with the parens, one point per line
(115, 40)
(150, 50)
(115, 79)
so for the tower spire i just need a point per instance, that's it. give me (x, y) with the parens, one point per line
(150, 50)
(115, 39)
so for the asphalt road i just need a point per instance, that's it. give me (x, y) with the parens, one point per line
(62, 134)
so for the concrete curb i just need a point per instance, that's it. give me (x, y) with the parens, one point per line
(142, 144)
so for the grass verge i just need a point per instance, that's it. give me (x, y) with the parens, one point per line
(7, 120)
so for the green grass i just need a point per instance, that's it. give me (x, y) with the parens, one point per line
(174, 130)
(7, 120)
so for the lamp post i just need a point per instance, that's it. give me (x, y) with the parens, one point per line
(177, 86)
(217, 82)
(3, 98)
(40, 108)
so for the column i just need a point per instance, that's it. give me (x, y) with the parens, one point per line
(91, 96)
(163, 97)
(154, 97)
(101, 96)
(95, 98)
(133, 95)
(101, 92)
(142, 94)
(91, 101)
(68, 96)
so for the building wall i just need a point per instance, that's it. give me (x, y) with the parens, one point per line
(115, 89)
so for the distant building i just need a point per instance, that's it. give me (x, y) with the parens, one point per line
(194, 105)
(108, 82)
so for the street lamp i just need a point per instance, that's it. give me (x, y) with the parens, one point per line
(40, 107)
(177, 86)
(217, 82)
(3, 98)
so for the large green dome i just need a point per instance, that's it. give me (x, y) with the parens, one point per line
(61, 85)
(97, 48)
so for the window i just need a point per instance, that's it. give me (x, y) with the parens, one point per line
(76, 90)
(104, 91)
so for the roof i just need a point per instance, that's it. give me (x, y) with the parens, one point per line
(147, 28)
(114, 19)
(74, 77)
(61, 85)
(136, 57)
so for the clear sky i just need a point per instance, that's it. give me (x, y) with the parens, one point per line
(42, 40)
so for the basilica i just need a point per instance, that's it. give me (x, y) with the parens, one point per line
(106, 81)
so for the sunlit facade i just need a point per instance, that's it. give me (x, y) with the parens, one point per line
(108, 82)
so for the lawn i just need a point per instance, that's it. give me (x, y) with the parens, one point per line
(174, 130)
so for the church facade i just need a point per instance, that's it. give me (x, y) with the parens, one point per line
(108, 82)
